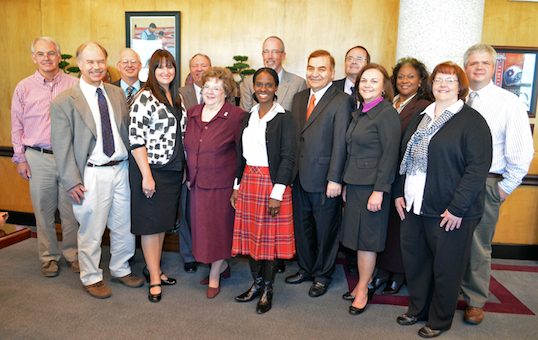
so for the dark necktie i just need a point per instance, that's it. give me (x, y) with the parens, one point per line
(130, 94)
(352, 89)
(201, 98)
(108, 138)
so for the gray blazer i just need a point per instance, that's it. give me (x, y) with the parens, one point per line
(288, 87)
(189, 96)
(373, 144)
(73, 130)
(321, 140)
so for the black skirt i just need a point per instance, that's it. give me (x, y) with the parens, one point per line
(362, 229)
(156, 214)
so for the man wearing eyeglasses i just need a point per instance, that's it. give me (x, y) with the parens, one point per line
(32, 152)
(129, 66)
(273, 54)
(356, 58)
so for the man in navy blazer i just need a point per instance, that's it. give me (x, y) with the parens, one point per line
(322, 114)
(356, 58)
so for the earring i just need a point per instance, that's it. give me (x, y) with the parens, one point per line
(383, 93)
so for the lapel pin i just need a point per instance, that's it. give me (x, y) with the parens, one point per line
(226, 114)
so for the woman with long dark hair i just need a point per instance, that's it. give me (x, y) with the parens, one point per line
(156, 168)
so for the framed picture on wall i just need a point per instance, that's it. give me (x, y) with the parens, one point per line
(146, 32)
(516, 70)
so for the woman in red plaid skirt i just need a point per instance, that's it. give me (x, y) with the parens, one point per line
(263, 227)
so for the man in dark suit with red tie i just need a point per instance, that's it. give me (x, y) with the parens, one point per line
(322, 115)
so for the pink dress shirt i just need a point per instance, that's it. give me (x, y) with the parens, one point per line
(30, 116)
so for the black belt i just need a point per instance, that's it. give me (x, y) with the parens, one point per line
(91, 165)
(492, 175)
(40, 149)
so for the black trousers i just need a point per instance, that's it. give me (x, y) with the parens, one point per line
(434, 264)
(185, 239)
(316, 221)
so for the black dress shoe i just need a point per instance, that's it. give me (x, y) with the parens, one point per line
(154, 297)
(405, 320)
(190, 267)
(356, 311)
(281, 266)
(297, 278)
(391, 288)
(317, 289)
(254, 291)
(165, 282)
(427, 332)
(348, 297)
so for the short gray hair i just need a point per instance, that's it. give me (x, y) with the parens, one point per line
(277, 38)
(479, 48)
(46, 39)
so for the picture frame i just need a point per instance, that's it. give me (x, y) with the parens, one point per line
(516, 70)
(146, 32)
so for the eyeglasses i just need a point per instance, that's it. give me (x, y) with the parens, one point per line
(271, 52)
(132, 61)
(50, 54)
(447, 80)
(358, 59)
(214, 88)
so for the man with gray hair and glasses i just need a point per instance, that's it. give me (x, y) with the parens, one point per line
(129, 66)
(33, 154)
(356, 58)
(513, 151)
(273, 53)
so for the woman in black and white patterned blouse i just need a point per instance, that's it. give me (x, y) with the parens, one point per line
(156, 168)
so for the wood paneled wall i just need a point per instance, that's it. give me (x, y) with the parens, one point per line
(514, 24)
(224, 28)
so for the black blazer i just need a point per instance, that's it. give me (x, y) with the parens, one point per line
(373, 143)
(340, 84)
(321, 140)
(281, 148)
(459, 158)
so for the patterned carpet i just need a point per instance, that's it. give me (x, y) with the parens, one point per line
(500, 300)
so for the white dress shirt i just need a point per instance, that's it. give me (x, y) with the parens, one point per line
(255, 146)
(97, 156)
(348, 84)
(508, 121)
(198, 91)
(415, 184)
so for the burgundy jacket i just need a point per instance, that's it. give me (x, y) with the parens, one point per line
(212, 150)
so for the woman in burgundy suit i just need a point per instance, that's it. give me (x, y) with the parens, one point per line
(211, 143)
(410, 82)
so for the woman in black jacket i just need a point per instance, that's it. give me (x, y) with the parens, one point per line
(446, 155)
(263, 227)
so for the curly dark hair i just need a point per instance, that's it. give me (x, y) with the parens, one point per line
(423, 74)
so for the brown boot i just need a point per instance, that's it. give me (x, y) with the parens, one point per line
(473, 315)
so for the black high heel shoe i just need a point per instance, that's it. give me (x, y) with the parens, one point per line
(154, 297)
(168, 282)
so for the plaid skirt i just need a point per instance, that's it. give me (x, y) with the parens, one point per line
(256, 233)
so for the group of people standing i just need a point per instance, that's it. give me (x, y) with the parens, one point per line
(416, 158)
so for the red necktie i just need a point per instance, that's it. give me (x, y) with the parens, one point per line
(311, 107)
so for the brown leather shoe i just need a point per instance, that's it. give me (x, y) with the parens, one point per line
(75, 267)
(473, 315)
(130, 280)
(50, 268)
(99, 290)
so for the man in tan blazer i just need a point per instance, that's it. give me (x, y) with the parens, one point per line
(273, 55)
(90, 141)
